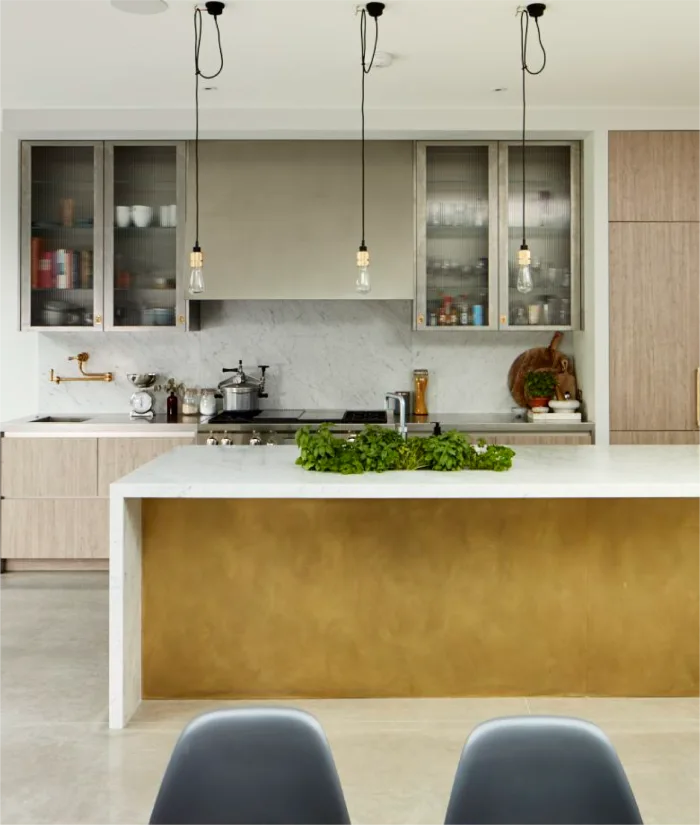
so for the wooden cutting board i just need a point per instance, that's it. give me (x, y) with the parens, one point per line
(537, 358)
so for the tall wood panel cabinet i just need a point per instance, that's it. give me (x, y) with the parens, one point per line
(654, 238)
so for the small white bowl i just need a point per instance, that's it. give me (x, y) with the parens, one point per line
(568, 406)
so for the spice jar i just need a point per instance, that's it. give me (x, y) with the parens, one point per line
(207, 402)
(190, 401)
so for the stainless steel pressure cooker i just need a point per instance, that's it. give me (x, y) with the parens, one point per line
(242, 391)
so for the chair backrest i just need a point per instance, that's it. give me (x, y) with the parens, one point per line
(251, 765)
(543, 769)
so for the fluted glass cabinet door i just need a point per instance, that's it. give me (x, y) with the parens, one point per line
(552, 230)
(62, 232)
(457, 256)
(144, 221)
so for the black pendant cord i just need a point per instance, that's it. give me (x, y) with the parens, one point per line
(526, 70)
(198, 73)
(365, 71)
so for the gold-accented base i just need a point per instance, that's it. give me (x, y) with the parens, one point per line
(289, 598)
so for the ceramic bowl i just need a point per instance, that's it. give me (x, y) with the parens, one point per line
(564, 406)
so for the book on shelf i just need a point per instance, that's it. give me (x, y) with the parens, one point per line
(61, 268)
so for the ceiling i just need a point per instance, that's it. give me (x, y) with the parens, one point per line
(304, 54)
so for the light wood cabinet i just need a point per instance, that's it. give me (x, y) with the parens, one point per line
(119, 456)
(644, 437)
(55, 528)
(653, 176)
(281, 219)
(551, 439)
(49, 467)
(654, 326)
(535, 439)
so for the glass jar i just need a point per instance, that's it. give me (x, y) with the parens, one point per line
(190, 401)
(207, 402)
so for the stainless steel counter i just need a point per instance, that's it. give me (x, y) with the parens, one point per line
(119, 424)
(105, 425)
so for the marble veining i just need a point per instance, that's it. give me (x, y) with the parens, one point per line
(322, 354)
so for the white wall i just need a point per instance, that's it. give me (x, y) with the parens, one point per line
(19, 377)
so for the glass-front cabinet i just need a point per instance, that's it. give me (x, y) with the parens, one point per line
(469, 212)
(144, 235)
(62, 234)
(457, 252)
(552, 231)
(103, 236)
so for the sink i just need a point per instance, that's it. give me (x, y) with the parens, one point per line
(57, 419)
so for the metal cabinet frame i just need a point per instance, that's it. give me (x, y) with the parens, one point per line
(498, 316)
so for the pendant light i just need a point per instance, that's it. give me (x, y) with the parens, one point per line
(374, 10)
(534, 11)
(215, 9)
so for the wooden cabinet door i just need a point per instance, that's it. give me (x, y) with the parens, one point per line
(654, 326)
(55, 529)
(119, 456)
(49, 467)
(653, 176)
(282, 218)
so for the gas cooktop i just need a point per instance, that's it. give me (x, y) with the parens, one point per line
(300, 416)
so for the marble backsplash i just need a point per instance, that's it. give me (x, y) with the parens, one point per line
(322, 354)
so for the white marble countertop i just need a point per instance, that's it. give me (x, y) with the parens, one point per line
(537, 472)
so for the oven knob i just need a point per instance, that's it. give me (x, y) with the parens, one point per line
(211, 441)
(225, 440)
(255, 439)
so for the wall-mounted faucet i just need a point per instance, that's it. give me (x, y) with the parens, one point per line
(403, 429)
(81, 358)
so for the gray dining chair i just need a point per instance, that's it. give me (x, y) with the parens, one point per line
(540, 769)
(251, 765)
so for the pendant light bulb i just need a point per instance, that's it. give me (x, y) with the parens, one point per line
(196, 271)
(362, 284)
(524, 282)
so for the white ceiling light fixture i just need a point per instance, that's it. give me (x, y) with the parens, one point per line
(140, 6)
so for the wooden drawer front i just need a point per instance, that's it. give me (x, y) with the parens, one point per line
(49, 467)
(549, 439)
(119, 456)
(644, 437)
(55, 529)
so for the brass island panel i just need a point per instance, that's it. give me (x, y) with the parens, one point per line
(358, 598)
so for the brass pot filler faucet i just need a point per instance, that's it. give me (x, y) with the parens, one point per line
(81, 358)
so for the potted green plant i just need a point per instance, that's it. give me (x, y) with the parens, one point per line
(539, 387)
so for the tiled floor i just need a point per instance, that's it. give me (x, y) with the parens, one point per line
(396, 758)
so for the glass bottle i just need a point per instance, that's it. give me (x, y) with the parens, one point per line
(172, 406)
(420, 387)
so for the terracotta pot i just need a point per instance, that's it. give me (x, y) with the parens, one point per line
(538, 402)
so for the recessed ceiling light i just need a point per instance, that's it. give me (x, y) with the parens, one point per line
(382, 60)
(211, 88)
(140, 6)
(500, 89)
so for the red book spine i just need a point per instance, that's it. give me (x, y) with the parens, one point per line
(36, 262)
(46, 270)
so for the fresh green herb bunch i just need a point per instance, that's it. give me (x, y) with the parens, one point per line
(378, 449)
(540, 384)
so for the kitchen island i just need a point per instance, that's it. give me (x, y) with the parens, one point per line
(236, 574)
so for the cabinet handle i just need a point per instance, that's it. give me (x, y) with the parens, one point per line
(98, 319)
(697, 396)
(181, 319)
